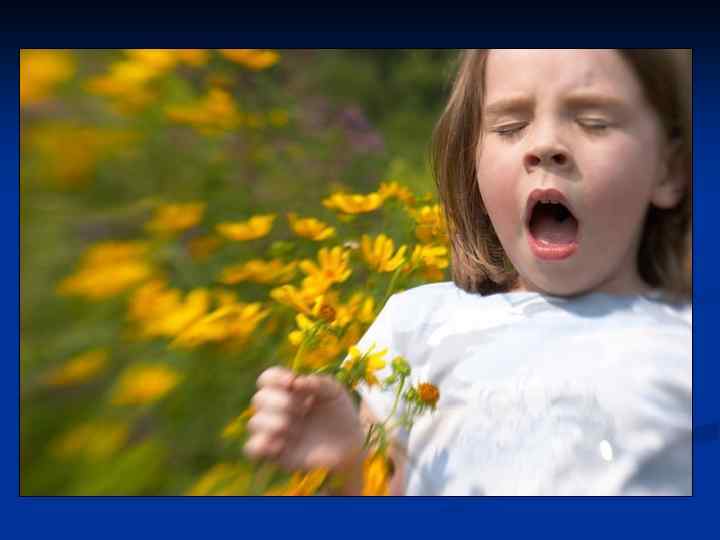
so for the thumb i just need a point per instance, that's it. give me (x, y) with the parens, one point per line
(322, 387)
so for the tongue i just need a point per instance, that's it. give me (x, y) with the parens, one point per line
(545, 228)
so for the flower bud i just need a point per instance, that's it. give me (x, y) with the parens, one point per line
(401, 366)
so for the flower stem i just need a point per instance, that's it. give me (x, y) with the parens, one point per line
(391, 285)
(297, 361)
(397, 399)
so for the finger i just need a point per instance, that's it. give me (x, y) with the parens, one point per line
(263, 446)
(276, 376)
(272, 399)
(287, 457)
(323, 387)
(273, 424)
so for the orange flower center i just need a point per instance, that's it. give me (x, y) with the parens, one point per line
(428, 393)
(327, 313)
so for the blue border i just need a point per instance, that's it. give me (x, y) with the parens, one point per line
(171, 517)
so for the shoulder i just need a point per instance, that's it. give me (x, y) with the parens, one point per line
(668, 311)
(671, 315)
(434, 302)
(432, 294)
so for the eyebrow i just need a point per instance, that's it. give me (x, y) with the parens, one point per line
(522, 103)
(595, 100)
(504, 105)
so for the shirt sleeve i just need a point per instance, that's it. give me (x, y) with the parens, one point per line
(667, 468)
(382, 335)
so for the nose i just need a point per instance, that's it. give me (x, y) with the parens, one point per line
(548, 153)
(534, 159)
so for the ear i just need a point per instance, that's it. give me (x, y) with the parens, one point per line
(671, 186)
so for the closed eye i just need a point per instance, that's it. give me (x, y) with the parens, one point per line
(594, 124)
(510, 130)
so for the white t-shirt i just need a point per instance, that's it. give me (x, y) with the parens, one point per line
(542, 395)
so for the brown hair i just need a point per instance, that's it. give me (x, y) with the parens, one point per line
(479, 262)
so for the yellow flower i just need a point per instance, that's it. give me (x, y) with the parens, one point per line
(372, 362)
(314, 285)
(152, 300)
(377, 473)
(40, 72)
(144, 383)
(234, 322)
(393, 189)
(311, 228)
(256, 59)
(259, 271)
(323, 310)
(79, 369)
(430, 224)
(433, 274)
(333, 267)
(172, 218)
(125, 77)
(94, 440)
(327, 347)
(330, 348)
(71, 166)
(429, 256)
(193, 57)
(159, 59)
(107, 269)
(215, 112)
(301, 485)
(379, 253)
(223, 479)
(432, 260)
(304, 327)
(354, 204)
(162, 312)
(293, 297)
(128, 81)
(360, 307)
(182, 316)
(327, 313)
(163, 60)
(256, 227)
(100, 282)
(114, 252)
(236, 427)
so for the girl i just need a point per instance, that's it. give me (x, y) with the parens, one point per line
(562, 347)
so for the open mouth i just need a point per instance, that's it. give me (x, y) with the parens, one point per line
(553, 223)
(553, 227)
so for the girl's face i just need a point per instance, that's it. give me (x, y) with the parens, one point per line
(569, 159)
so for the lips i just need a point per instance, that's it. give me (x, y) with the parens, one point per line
(551, 224)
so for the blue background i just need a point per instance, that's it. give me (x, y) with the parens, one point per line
(350, 517)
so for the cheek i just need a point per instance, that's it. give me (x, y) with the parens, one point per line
(619, 185)
(497, 181)
(501, 205)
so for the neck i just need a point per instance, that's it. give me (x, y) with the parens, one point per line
(632, 285)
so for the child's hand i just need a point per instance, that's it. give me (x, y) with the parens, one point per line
(304, 422)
